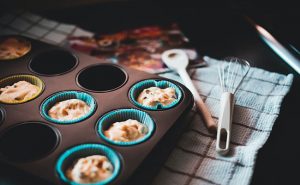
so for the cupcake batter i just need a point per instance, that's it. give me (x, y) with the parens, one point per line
(125, 131)
(154, 95)
(20, 91)
(90, 169)
(69, 110)
(12, 48)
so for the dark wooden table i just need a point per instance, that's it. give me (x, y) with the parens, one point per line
(219, 30)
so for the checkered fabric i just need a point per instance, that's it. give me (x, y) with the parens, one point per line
(194, 160)
(37, 27)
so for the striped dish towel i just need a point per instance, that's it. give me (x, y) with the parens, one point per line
(194, 160)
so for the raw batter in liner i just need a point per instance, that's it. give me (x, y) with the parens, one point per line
(20, 91)
(12, 48)
(69, 110)
(90, 169)
(154, 95)
(125, 131)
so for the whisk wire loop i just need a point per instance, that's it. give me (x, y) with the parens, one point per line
(231, 73)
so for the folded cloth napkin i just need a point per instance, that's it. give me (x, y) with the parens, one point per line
(194, 160)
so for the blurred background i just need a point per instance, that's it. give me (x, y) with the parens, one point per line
(219, 22)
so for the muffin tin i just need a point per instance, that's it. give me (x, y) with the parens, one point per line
(37, 145)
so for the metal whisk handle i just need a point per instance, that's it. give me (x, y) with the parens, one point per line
(210, 123)
(225, 119)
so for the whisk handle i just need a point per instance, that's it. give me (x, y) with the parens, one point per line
(206, 115)
(225, 119)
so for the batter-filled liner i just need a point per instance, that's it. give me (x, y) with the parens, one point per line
(120, 115)
(138, 88)
(68, 158)
(68, 95)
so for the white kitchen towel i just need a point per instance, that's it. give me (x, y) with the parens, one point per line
(194, 160)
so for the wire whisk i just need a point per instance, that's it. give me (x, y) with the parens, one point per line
(232, 72)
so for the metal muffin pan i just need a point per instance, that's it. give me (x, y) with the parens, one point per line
(109, 84)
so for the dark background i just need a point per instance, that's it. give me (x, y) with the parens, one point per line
(217, 29)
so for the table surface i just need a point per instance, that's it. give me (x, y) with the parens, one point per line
(218, 31)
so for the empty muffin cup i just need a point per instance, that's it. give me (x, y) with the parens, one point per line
(102, 77)
(121, 115)
(138, 88)
(28, 141)
(20, 93)
(13, 47)
(70, 156)
(53, 62)
(68, 95)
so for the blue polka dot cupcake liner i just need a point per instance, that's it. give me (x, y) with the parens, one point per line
(140, 86)
(68, 158)
(122, 115)
(66, 95)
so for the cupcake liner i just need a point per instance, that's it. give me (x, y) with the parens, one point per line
(66, 95)
(28, 78)
(140, 86)
(123, 115)
(19, 38)
(84, 150)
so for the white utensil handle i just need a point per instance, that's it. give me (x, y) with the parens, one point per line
(225, 119)
(210, 123)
